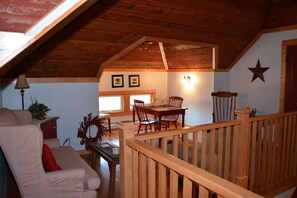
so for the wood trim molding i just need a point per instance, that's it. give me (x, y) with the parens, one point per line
(243, 52)
(64, 80)
(163, 55)
(126, 95)
(108, 93)
(118, 55)
(165, 40)
(162, 70)
(280, 29)
(285, 44)
(53, 80)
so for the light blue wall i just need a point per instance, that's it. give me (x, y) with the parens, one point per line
(69, 101)
(264, 96)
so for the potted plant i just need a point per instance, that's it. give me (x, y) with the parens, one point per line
(38, 110)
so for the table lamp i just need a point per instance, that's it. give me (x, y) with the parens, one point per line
(22, 84)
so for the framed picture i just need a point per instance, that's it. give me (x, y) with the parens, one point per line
(117, 81)
(134, 81)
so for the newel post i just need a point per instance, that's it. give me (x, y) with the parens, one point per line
(126, 131)
(242, 147)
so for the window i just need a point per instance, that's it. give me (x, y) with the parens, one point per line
(110, 103)
(146, 98)
(118, 103)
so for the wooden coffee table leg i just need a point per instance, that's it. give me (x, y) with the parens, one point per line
(112, 171)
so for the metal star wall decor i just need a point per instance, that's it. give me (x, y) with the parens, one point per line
(258, 71)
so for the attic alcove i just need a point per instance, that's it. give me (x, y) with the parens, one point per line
(164, 55)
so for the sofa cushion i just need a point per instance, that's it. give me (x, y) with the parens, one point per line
(8, 118)
(48, 160)
(68, 158)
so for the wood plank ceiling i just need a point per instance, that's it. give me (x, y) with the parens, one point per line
(101, 36)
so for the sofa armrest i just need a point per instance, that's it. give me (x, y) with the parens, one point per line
(70, 182)
(52, 142)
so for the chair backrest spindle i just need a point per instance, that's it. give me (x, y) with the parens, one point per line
(140, 110)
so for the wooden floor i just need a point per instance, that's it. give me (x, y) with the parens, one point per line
(103, 170)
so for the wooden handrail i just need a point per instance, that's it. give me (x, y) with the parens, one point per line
(258, 153)
(185, 130)
(204, 178)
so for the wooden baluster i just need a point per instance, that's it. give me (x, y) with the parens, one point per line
(126, 130)
(242, 147)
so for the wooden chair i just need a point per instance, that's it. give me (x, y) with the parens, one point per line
(174, 101)
(143, 119)
(105, 117)
(224, 104)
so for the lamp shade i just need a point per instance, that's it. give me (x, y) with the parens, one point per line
(22, 82)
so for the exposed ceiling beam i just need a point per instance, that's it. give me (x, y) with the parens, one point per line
(163, 55)
(119, 55)
(185, 47)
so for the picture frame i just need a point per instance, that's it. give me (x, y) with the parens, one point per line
(134, 81)
(117, 81)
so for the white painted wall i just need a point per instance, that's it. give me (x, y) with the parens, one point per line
(263, 96)
(69, 101)
(196, 94)
(148, 80)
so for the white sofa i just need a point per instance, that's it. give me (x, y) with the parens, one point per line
(22, 144)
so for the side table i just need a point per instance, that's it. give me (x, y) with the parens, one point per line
(104, 150)
(48, 126)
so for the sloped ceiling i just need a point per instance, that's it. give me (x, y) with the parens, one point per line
(101, 38)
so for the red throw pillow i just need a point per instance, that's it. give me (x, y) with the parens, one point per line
(48, 160)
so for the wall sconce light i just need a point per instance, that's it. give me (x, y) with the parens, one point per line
(22, 84)
(187, 77)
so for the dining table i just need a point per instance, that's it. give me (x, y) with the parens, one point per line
(160, 110)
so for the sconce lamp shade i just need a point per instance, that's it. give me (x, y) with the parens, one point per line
(22, 82)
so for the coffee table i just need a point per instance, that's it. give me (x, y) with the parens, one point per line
(104, 150)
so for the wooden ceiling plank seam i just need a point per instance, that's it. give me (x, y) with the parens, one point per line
(128, 28)
(177, 41)
(266, 14)
(183, 7)
(162, 51)
(231, 17)
(118, 55)
(206, 25)
(250, 44)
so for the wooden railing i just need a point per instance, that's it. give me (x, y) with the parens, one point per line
(199, 160)
(273, 153)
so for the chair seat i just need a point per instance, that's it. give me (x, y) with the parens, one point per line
(143, 119)
(168, 119)
(149, 121)
(174, 101)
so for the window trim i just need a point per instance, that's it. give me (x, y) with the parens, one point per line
(126, 99)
